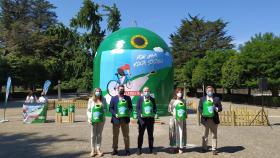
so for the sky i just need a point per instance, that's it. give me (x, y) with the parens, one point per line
(245, 17)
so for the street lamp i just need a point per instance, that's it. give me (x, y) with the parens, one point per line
(59, 89)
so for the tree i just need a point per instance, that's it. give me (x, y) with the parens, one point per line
(4, 71)
(22, 39)
(232, 72)
(114, 17)
(74, 62)
(260, 58)
(13, 25)
(208, 71)
(187, 72)
(195, 37)
(89, 18)
(42, 14)
(35, 47)
(22, 23)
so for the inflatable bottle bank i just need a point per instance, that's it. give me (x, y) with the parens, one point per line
(135, 57)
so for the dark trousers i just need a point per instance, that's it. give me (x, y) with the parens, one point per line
(142, 125)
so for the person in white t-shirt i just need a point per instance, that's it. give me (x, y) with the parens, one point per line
(31, 98)
(43, 98)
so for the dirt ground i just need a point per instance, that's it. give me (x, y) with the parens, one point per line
(73, 140)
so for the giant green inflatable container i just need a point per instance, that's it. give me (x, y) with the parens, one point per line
(144, 55)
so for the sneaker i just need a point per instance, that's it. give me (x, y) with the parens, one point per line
(115, 152)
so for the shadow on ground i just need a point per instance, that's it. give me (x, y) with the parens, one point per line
(275, 124)
(226, 149)
(231, 149)
(133, 151)
(30, 145)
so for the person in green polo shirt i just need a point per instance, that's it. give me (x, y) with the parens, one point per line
(177, 125)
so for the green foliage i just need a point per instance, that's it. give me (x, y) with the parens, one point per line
(114, 17)
(89, 18)
(232, 73)
(193, 39)
(260, 57)
(4, 70)
(188, 68)
(22, 23)
(208, 71)
(73, 61)
(23, 44)
(195, 36)
(37, 48)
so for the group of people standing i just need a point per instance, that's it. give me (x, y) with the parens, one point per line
(31, 98)
(121, 107)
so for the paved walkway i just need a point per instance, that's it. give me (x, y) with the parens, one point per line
(72, 140)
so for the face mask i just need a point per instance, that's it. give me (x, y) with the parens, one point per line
(97, 94)
(146, 94)
(121, 92)
(210, 94)
(179, 95)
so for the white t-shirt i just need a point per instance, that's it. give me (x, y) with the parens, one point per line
(209, 98)
(42, 99)
(30, 99)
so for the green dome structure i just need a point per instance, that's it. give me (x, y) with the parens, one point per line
(135, 57)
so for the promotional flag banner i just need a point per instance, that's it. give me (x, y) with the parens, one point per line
(46, 86)
(8, 87)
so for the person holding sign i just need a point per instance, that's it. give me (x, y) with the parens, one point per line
(177, 125)
(209, 106)
(96, 117)
(146, 110)
(120, 107)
